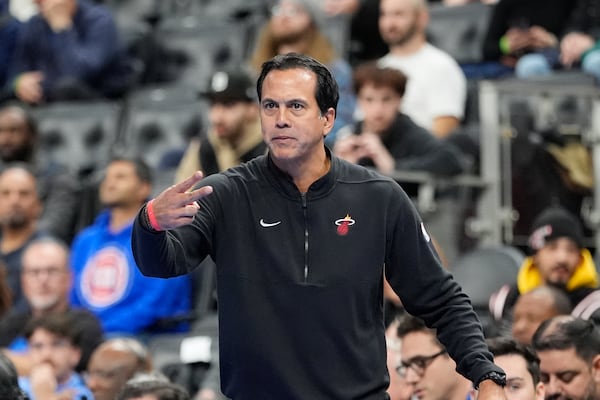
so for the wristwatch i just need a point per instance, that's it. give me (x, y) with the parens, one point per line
(498, 377)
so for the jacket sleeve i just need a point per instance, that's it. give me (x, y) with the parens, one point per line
(178, 251)
(429, 292)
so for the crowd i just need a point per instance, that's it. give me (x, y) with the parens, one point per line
(77, 311)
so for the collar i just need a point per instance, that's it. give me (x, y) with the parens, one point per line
(285, 184)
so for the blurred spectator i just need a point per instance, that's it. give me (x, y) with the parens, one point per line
(70, 50)
(522, 367)
(453, 3)
(366, 43)
(522, 31)
(295, 26)
(54, 347)
(398, 389)
(46, 280)
(559, 259)
(235, 135)
(536, 306)
(569, 352)
(113, 363)
(57, 187)
(580, 45)
(20, 209)
(5, 292)
(9, 381)
(9, 30)
(107, 280)
(152, 389)
(386, 138)
(426, 365)
(436, 90)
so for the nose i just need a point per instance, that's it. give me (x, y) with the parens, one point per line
(411, 376)
(553, 387)
(281, 118)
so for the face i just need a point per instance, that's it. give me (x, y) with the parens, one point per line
(19, 201)
(108, 371)
(519, 382)
(398, 388)
(568, 377)
(121, 186)
(46, 347)
(16, 141)
(439, 380)
(292, 124)
(228, 119)
(529, 312)
(379, 106)
(45, 276)
(557, 261)
(399, 21)
(289, 22)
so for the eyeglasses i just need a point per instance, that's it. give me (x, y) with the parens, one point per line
(418, 364)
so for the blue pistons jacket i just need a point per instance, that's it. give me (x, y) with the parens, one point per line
(300, 280)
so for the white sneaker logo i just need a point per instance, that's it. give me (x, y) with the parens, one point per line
(268, 224)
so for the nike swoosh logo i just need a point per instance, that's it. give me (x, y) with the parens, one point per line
(268, 224)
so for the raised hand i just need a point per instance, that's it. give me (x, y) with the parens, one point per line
(177, 205)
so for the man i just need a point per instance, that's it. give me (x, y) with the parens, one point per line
(55, 352)
(386, 138)
(536, 306)
(300, 239)
(436, 91)
(425, 364)
(559, 259)
(113, 363)
(106, 278)
(46, 280)
(69, 50)
(234, 136)
(58, 189)
(569, 352)
(522, 368)
(20, 209)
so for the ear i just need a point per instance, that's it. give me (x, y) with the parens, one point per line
(423, 18)
(75, 356)
(328, 119)
(596, 368)
(540, 391)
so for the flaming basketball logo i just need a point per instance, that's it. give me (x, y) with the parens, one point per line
(343, 224)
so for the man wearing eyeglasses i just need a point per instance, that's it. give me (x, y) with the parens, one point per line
(426, 365)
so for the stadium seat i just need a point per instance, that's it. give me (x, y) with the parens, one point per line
(158, 124)
(459, 30)
(481, 272)
(78, 135)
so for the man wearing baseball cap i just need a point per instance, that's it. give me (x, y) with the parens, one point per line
(234, 135)
(558, 259)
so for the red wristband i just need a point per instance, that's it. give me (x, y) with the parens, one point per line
(151, 217)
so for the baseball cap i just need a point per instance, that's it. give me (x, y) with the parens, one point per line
(553, 223)
(230, 85)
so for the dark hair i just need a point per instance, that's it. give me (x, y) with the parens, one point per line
(326, 91)
(409, 324)
(157, 387)
(562, 333)
(27, 115)
(502, 346)
(59, 324)
(142, 169)
(9, 381)
(379, 77)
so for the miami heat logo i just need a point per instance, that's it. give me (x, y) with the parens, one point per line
(343, 225)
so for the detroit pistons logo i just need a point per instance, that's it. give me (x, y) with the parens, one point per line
(343, 225)
(105, 277)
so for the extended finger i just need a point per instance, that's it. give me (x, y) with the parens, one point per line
(189, 183)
